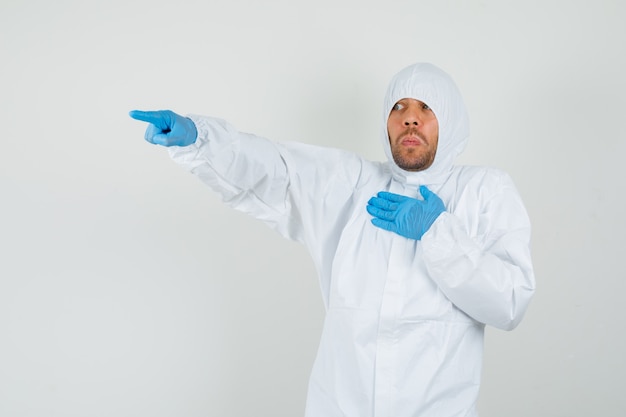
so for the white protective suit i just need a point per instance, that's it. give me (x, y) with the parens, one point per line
(403, 332)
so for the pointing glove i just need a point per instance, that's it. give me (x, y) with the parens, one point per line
(167, 128)
(406, 216)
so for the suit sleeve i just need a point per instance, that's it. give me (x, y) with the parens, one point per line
(247, 171)
(297, 189)
(490, 278)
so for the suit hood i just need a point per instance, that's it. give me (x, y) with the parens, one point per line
(431, 85)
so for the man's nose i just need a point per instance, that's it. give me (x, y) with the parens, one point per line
(411, 118)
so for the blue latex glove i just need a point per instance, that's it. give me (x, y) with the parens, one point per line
(406, 216)
(167, 128)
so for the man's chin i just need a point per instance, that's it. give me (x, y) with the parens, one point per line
(412, 165)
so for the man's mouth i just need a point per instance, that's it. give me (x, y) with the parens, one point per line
(412, 140)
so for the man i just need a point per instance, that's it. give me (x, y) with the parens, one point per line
(414, 255)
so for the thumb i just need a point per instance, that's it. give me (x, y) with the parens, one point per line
(425, 192)
(432, 199)
(430, 196)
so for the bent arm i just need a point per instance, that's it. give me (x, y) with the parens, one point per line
(491, 281)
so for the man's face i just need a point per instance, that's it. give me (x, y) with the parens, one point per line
(413, 134)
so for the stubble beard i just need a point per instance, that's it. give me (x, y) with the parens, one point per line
(413, 159)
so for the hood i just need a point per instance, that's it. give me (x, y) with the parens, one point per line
(434, 87)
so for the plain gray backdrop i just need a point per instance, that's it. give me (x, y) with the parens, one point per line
(128, 289)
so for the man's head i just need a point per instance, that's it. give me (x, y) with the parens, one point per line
(413, 134)
(425, 124)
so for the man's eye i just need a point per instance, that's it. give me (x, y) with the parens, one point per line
(426, 107)
(397, 106)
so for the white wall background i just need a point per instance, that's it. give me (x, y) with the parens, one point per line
(127, 289)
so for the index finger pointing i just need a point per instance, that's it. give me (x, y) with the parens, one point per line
(157, 118)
